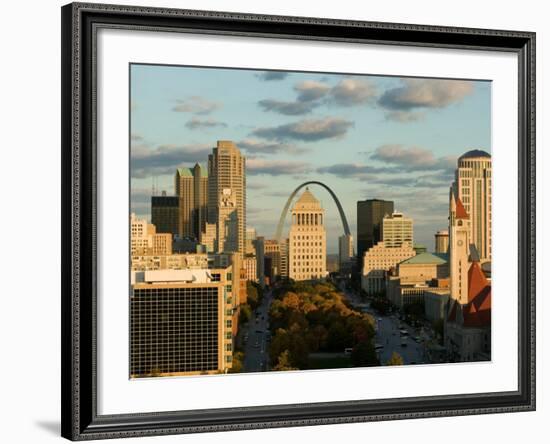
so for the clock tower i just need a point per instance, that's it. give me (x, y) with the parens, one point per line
(459, 233)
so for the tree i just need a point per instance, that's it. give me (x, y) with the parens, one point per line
(237, 362)
(364, 355)
(395, 359)
(252, 296)
(338, 338)
(245, 313)
(283, 362)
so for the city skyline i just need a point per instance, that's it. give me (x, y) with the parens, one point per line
(396, 138)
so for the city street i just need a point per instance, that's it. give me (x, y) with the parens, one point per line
(256, 348)
(388, 336)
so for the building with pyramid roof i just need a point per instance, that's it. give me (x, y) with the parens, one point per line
(307, 245)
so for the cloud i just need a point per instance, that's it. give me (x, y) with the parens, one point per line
(196, 105)
(311, 130)
(164, 159)
(404, 116)
(255, 146)
(287, 108)
(196, 123)
(351, 92)
(140, 195)
(278, 194)
(412, 158)
(352, 170)
(425, 93)
(256, 186)
(311, 94)
(267, 76)
(310, 90)
(275, 167)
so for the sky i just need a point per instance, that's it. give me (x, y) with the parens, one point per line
(364, 136)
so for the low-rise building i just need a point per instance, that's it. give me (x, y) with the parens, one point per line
(415, 276)
(378, 260)
(144, 239)
(194, 261)
(435, 304)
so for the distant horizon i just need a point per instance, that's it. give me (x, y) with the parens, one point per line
(364, 136)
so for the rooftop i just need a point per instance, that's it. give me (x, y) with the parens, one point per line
(307, 201)
(474, 153)
(427, 258)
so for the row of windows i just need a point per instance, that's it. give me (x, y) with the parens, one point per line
(307, 270)
(308, 256)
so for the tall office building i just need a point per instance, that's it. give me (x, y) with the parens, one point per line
(442, 241)
(165, 213)
(307, 239)
(370, 213)
(227, 170)
(472, 186)
(396, 230)
(459, 248)
(181, 322)
(191, 185)
(227, 235)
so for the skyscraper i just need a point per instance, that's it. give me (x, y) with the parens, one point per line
(397, 229)
(370, 213)
(307, 239)
(227, 170)
(227, 234)
(165, 213)
(472, 186)
(191, 185)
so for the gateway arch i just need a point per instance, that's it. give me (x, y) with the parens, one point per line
(281, 224)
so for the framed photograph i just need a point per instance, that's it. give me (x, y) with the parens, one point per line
(280, 221)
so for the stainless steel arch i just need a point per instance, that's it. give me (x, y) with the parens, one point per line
(281, 224)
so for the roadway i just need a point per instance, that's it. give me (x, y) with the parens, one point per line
(388, 334)
(256, 345)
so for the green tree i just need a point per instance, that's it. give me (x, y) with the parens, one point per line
(438, 327)
(252, 295)
(395, 359)
(245, 313)
(364, 355)
(237, 362)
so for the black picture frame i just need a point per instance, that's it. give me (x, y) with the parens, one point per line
(80, 420)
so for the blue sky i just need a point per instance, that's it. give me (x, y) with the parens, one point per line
(366, 137)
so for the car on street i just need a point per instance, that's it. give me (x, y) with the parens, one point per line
(404, 342)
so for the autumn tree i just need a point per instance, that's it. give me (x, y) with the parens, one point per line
(395, 359)
(283, 362)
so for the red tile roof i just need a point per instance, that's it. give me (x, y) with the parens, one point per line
(476, 281)
(477, 312)
(460, 210)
